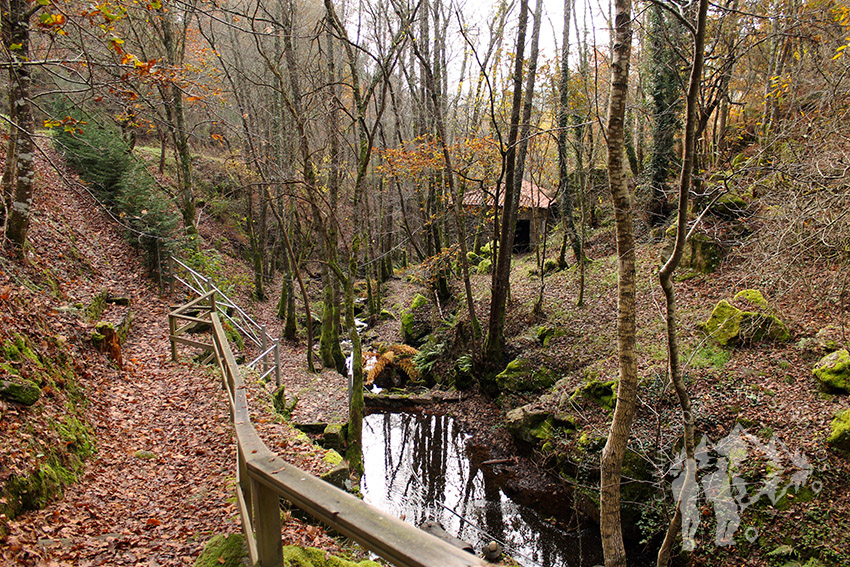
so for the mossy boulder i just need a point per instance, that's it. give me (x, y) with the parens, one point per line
(415, 321)
(224, 550)
(19, 390)
(597, 391)
(536, 426)
(294, 556)
(833, 372)
(755, 321)
(520, 376)
(544, 334)
(17, 349)
(485, 266)
(729, 207)
(830, 338)
(839, 431)
(701, 253)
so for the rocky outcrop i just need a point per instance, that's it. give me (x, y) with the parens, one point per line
(701, 253)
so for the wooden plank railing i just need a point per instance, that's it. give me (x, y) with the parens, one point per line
(200, 285)
(263, 478)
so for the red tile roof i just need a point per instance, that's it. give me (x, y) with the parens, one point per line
(532, 196)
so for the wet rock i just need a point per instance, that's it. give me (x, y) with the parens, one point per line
(833, 372)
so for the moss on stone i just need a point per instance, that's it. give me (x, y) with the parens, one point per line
(294, 556)
(224, 550)
(839, 431)
(544, 334)
(414, 321)
(145, 455)
(753, 297)
(21, 391)
(17, 349)
(537, 426)
(519, 376)
(833, 372)
(97, 306)
(729, 207)
(333, 436)
(602, 393)
(332, 458)
(701, 253)
(484, 266)
(731, 326)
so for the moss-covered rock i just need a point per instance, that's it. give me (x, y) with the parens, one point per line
(833, 372)
(732, 326)
(19, 390)
(520, 376)
(333, 436)
(544, 334)
(830, 338)
(729, 207)
(294, 556)
(97, 306)
(485, 266)
(602, 393)
(536, 426)
(839, 431)
(17, 349)
(701, 253)
(224, 550)
(415, 321)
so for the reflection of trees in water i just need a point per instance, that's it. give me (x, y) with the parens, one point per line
(428, 476)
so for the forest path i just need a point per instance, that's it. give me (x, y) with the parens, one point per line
(153, 508)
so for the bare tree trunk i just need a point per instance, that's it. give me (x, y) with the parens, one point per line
(567, 216)
(495, 344)
(618, 436)
(665, 276)
(19, 164)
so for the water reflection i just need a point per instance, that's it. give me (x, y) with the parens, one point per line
(417, 469)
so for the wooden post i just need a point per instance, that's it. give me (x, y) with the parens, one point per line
(267, 525)
(171, 277)
(172, 329)
(277, 362)
(264, 347)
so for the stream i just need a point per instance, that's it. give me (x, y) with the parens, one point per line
(417, 468)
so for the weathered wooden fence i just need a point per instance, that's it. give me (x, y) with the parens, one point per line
(199, 285)
(263, 477)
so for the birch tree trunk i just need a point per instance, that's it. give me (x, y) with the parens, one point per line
(618, 436)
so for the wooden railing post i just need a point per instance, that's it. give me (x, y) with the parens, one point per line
(267, 525)
(277, 362)
(265, 347)
(171, 275)
(172, 330)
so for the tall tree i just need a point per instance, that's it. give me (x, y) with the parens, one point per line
(665, 276)
(618, 436)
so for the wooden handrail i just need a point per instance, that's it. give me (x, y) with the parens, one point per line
(263, 478)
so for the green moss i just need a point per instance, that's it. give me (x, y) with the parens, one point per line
(602, 393)
(34, 491)
(332, 458)
(519, 376)
(22, 391)
(97, 306)
(729, 207)
(17, 349)
(485, 266)
(294, 556)
(839, 431)
(752, 296)
(77, 436)
(224, 550)
(386, 315)
(833, 372)
(334, 436)
(729, 325)
(544, 334)
(145, 455)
